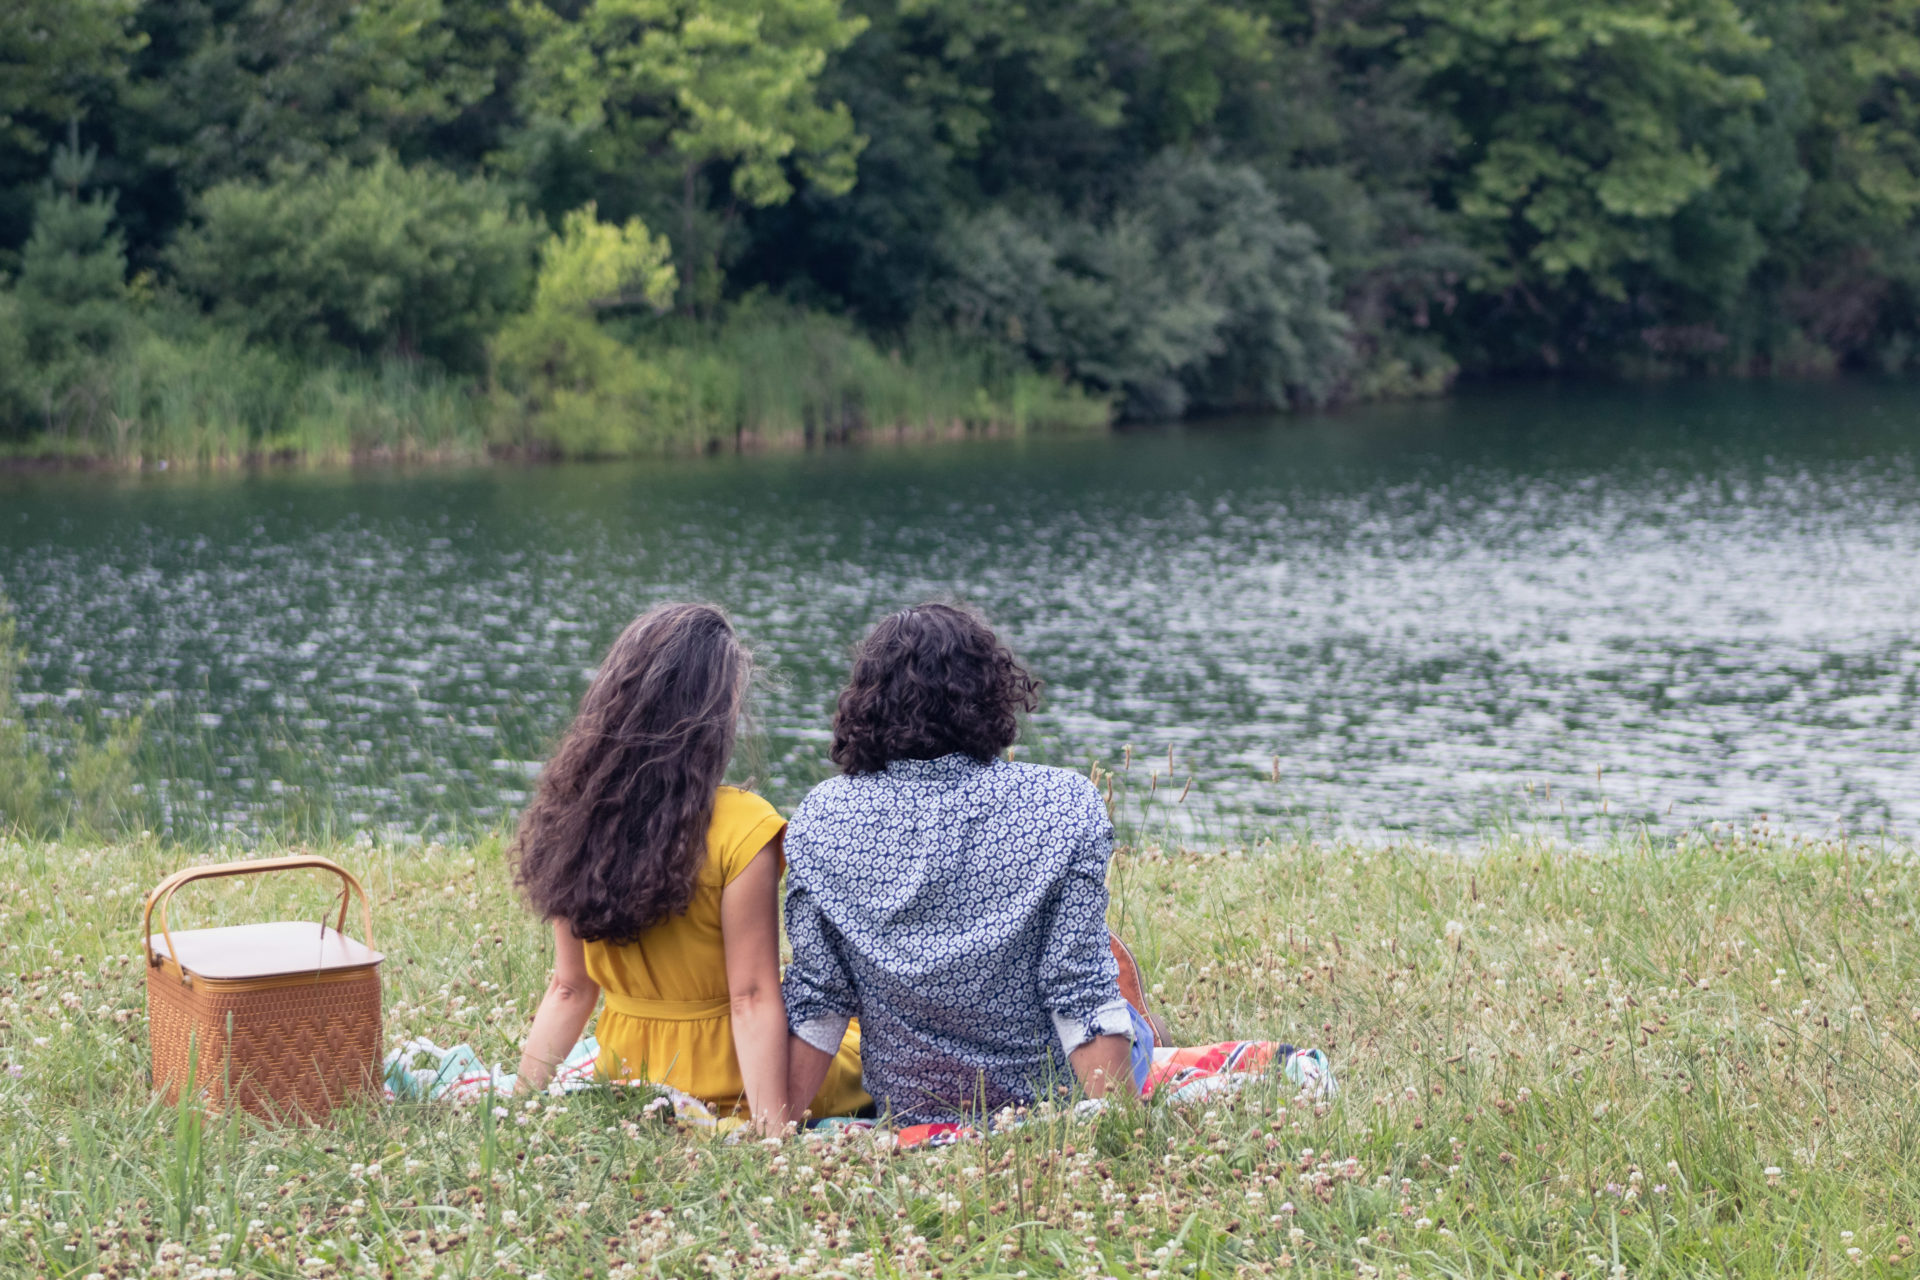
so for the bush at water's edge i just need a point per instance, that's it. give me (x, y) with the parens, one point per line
(187, 392)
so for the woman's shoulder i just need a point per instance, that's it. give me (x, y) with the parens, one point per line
(743, 824)
(735, 802)
(737, 813)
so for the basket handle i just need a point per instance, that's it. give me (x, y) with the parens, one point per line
(162, 895)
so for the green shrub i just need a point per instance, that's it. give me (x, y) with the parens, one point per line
(766, 375)
(1195, 289)
(1394, 365)
(376, 260)
(568, 386)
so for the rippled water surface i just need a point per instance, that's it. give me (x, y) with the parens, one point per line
(1680, 603)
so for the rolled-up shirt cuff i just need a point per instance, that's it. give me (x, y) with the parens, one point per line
(1110, 1019)
(824, 1032)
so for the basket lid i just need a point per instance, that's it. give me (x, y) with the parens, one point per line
(269, 950)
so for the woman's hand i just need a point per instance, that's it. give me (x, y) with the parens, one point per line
(563, 1013)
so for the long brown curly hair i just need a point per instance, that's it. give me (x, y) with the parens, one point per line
(927, 682)
(617, 830)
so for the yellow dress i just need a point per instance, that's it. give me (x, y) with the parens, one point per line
(667, 1018)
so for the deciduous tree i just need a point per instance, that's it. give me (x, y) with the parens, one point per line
(383, 258)
(704, 83)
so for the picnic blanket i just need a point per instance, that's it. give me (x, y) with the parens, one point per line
(423, 1071)
(1177, 1075)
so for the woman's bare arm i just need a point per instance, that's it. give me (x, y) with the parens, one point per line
(563, 1013)
(750, 931)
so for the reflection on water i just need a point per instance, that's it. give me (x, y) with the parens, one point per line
(1709, 592)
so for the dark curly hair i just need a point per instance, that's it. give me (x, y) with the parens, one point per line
(617, 830)
(927, 682)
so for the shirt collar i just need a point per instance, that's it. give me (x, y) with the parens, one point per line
(942, 768)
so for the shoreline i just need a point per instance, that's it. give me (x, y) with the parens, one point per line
(40, 455)
(16, 460)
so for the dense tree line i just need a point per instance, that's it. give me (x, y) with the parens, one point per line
(1175, 205)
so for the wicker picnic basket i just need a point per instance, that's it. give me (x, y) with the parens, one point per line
(280, 1019)
(1134, 989)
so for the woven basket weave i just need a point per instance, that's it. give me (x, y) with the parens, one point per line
(280, 1019)
(1133, 989)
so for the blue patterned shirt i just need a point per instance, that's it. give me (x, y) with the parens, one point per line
(959, 910)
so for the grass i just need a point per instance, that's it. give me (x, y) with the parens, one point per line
(196, 395)
(766, 376)
(1691, 1058)
(205, 398)
(785, 378)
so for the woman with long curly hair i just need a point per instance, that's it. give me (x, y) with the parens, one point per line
(662, 885)
(952, 900)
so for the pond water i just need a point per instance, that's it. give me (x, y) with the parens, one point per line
(1545, 603)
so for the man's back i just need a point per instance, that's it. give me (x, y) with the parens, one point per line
(958, 908)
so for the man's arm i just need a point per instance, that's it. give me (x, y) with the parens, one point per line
(820, 999)
(806, 1072)
(1079, 980)
(1103, 1062)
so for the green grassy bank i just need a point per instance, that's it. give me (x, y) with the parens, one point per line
(183, 392)
(1691, 1059)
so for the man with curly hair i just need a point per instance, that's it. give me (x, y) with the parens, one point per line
(952, 900)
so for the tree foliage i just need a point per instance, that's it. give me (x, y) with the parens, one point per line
(691, 84)
(72, 288)
(592, 266)
(1180, 204)
(569, 383)
(377, 259)
(1195, 290)
(1582, 128)
(56, 58)
(1851, 266)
